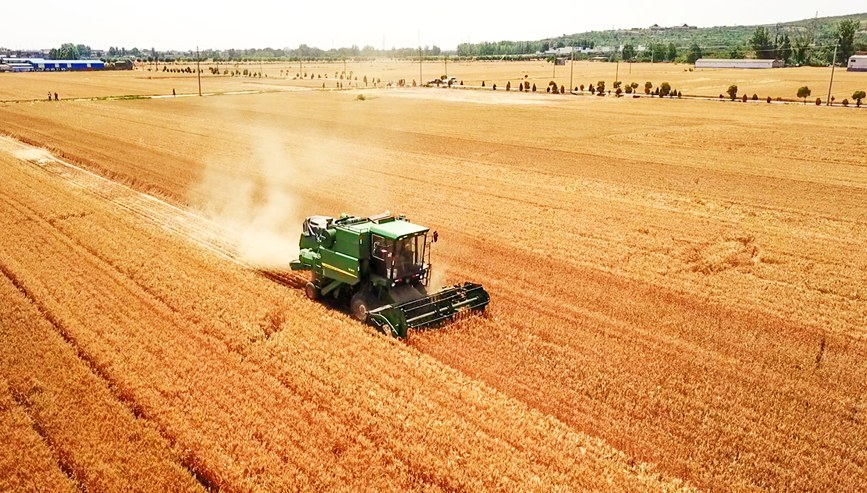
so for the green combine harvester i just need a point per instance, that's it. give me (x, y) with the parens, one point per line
(381, 267)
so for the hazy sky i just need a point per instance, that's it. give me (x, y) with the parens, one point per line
(176, 24)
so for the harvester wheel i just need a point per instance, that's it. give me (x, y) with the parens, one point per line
(311, 291)
(359, 305)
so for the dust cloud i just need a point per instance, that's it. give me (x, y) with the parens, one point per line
(254, 201)
(33, 154)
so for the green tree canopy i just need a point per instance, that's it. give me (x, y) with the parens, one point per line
(762, 44)
(846, 33)
(671, 52)
(694, 53)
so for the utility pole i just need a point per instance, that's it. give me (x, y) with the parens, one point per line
(833, 66)
(446, 65)
(617, 72)
(571, 69)
(420, 79)
(198, 71)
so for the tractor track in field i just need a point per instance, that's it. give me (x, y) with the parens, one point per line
(194, 228)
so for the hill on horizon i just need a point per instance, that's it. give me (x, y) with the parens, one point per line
(816, 33)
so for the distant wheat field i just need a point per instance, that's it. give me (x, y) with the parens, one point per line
(155, 80)
(678, 286)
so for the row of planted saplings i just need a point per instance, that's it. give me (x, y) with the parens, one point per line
(803, 93)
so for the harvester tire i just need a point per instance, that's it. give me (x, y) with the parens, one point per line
(359, 305)
(311, 291)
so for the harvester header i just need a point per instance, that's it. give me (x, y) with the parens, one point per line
(380, 266)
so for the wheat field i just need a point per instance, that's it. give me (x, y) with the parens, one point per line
(678, 293)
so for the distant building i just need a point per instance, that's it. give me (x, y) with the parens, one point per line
(858, 63)
(738, 63)
(20, 67)
(42, 64)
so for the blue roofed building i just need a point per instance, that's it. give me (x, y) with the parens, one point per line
(42, 64)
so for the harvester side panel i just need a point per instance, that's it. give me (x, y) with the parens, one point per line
(351, 243)
(340, 267)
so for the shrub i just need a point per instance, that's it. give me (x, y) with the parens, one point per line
(732, 91)
(755, 97)
(744, 98)
(664, 89)
(360, 97)
(769, 100)
(858, 96)
(582, 87)
(508, 85)
(818, 101)
(494, 87)
(845, 102)
(562, 89)
(534, 87)
(647, 87)
(804, 92)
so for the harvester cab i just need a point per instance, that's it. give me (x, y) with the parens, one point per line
(380, 266)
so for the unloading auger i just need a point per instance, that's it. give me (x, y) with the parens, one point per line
(380, 266)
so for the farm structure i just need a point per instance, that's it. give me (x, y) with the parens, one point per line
(858, 63)
(738, 63)
(41, 64)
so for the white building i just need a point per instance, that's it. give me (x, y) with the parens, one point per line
(738, 63)
(858, 63)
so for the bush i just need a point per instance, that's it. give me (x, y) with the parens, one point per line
(732, 91)
(534, 87)
(647, 87)
(755, 97)
(360, 97)
(858, 96)
(804, 92)
(845, 102)
(562, 89)
(582, 87)
(664, 89)
(769, 100)
(744, 98)
(818, 101)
